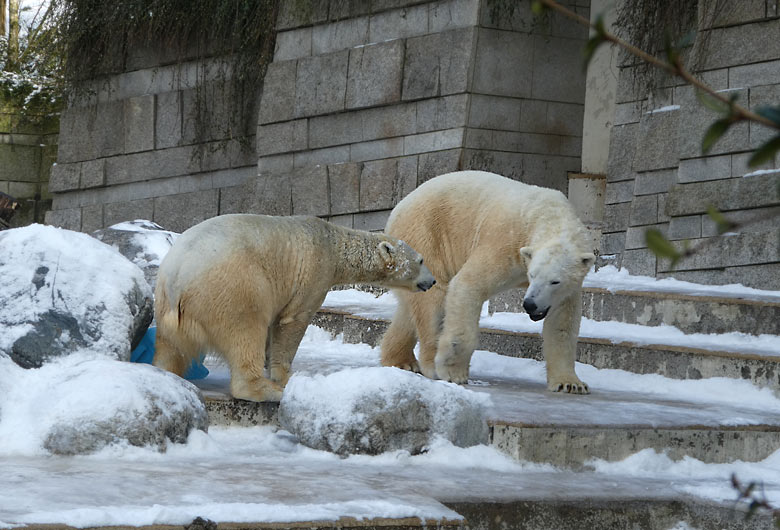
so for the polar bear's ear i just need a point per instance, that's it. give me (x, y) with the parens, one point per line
(386, 250)
(588, 259)
(526, 252)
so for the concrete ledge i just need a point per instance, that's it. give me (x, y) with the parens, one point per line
(670, 361)
(690, 314)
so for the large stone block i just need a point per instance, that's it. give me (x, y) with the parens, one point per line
(437, 64)
(387, 122)
(695, 119)
(622, 191)
(657, 147)
(564, 119)
(139, 124)
(296, 14)
(504, 64)
(764, 276)
(686, 227)
(754, 75)
(20, 163)
(336, 129)
(282, 137)
(430, 165)
(453, 14)
(557, 69)
(310, 191)
(714, 14)
(108, 129)
(321, 84)
(764, 96)
(344, 182)
(293, 44)
(441, 113)
(622, 148)
(340, 35)
(651, 182)
(378, 181)
(151, 165)
(65, 177)
(398, 24)
(374, 150)
(328, 155)
(636, 236)
(729, 194)
(753, 220)
(750, 248)
(434, 141)
(738, 45)
(269, 194)
(278, 100)
(375, 75)
(616, 217)
(644, 210)
(494, 112)
(181, 211)
(118, 212)
(91, 218)
(168, 120)
(700, 169)
(370, 221)
(93, 173)
(641, 262)
(75, 143)
(70, 218)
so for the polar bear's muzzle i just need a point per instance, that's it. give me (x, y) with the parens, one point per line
(426, 284)
(533, 311)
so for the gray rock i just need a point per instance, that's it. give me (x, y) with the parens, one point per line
(374, 410)
(63, 291)
(109, 402)
(143, 242)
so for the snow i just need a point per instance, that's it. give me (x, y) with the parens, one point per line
(88, 274)
(261, 474)
(667, 108)
(761, 172)
(613, 279)
(153, 242)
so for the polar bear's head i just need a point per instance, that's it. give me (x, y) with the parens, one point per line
(554, 273)
(404, 267)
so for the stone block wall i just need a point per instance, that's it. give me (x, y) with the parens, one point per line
(27, 151)
(659, 178)
(356, 112)
(134, 146)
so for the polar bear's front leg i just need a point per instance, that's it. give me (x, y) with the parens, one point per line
(460, 334)
(559, 345)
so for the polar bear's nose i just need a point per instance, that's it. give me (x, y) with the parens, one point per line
(425, 285)
(529, 306)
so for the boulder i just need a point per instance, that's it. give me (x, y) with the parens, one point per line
(143, 242)
(63, 291)
(80, 404)
(373, 410)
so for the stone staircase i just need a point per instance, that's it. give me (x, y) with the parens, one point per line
(527, 423)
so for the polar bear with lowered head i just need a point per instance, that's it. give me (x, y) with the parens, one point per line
(480, 234)
(246, 286)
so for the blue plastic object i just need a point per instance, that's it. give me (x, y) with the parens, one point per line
(144, 353)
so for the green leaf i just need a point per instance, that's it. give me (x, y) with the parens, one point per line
(765, 153)
(687, 40)
(537, 8)
(660, 246)
(770, 113)
(712, 103)
(721, 223)
(714, 133)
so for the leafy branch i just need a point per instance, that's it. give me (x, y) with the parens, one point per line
(726, 105)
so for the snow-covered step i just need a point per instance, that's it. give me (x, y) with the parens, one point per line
(689, 313)
(640, 349)
(716, 420)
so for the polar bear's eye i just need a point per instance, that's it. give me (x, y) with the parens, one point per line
(554, 283)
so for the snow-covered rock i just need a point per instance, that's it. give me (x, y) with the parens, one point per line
(373, 410)
(143, 242)
(63, 291)
(81, 404)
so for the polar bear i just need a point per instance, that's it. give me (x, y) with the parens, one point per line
(481, 233)
(246, 286)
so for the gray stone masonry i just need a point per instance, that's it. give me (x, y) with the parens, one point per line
(658, 174)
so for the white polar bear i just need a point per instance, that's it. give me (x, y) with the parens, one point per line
(246, 286)
(480, 234)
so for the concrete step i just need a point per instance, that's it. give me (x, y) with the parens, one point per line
(676, 362)
(689, 313)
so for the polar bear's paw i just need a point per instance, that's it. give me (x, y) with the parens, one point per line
(260, 389)
(569, 385)
(412, 366)
(454, 373)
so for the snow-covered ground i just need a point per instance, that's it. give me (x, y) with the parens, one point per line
(261, 474)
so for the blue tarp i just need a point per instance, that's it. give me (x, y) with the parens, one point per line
(144, 353)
